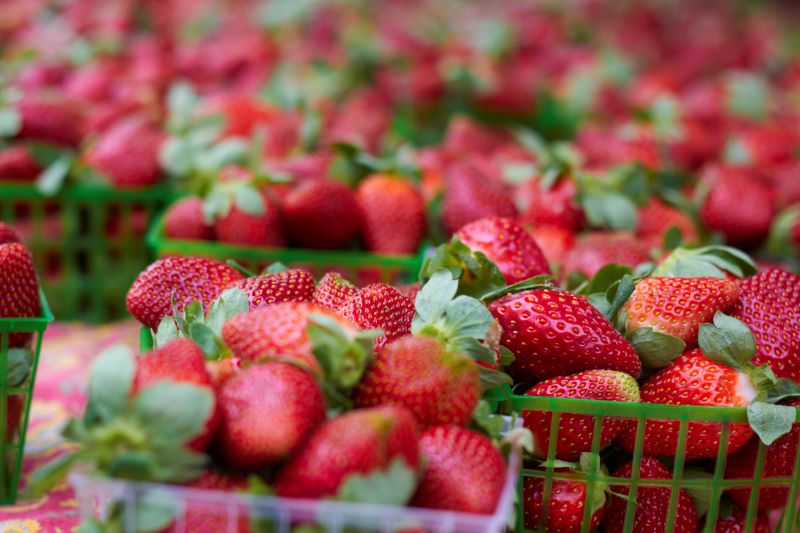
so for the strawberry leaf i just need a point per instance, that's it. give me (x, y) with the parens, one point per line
(770, 422)
(655, 349)
(18, 366)
(110, 380)
(728, 341)
(708, 261)
(491, 378)
(476, 274)
(10, 122)
(343, 360)
(166, 331)
(467, 317)
(52, 179)
(274, 268)
(434, 297)
(542, 281)
(701, 495)
(393, 486)
(471, 347)
(486, 422)
(249, 201)
(172, 412)
(48, 476)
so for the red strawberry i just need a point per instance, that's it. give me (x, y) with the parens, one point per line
(294, 285)
(556, 333)
(742, 223)
(127, 154)
(210, 515)
(392, 214)
(693, 379)
(507, 245)
(765, 147)
(437, 385)
(243, 115)
(465, 135)
(409, 290)
(565, 506)
(470, 195)
(267, 412)
(656, 218)
(240, 227)
(768, 304)
(51, 120)
(779, 461)
(464, 471)
(179, 360)
(184, 220)
(554, 242)
(321, 213)
(20, 295)
(182, 279)
(380, 306)
(17, 164)
(333, 291)
(576, 431)
(677, 306)
(8, 234)
(555, 206)
(737, 523)
(652, 503)
(595, 250)
(357, 442)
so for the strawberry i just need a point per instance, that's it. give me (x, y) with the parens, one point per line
(507, 245)
(576, 431)
(20, 295)
(464, 471)
(656, 218)
(211, 516)
(779, 461)
(380, 306)
(321, 213)
(17, 164)
(652, 503)
(465, 135)
(8, 234)
(179, 360)
(677, 306)
(294, 285)
(555, 206)
(555, 242)
(333, 291)
(556, 333)
(358, 442)
(736, 522)
(181, 280)
(127, 154)
(768, 304)
(392, 214)
(741, 223)
(470, 194)
(409, 290)
(593, 251)
(184, 220)
(50, 120)
(764, 147)
(264, 228)
(267, 412)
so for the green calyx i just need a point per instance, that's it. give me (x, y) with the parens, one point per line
(781, 242)
(730, 342)
(589, 467)
(476, 274)
(141, 437)
(708, 261)
(351, 164)
(612, 201)
(393, 485)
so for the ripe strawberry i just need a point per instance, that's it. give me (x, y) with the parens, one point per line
(741, 223)
(20, 295)
(243, 114)
(565, 506)
(576, 431)
(184, 220)
(8, 234)
(333, 291)
(464, 471)
(127, 154)
(693, 379)
(321, 213)
(554, 242)
(652, 503)
(677, 306)
(768, 304)
(240, 227)
(211, 516)
(50, 120)
(465, 135)
(555, 206)
(470, 195)
(267, 412)
(557, 333)
(357, 442)
(779, 462)
(380, 306)
(593, 251)
(736, 522)
(17, 164)
(182, 279)
(179, 360)
(656, 218)
(294, 285)
(392, 214)
(409, 290)
(438, 385)
(507, 245)
(765, 147)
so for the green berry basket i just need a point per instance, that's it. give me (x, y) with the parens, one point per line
(358, 266)
(713, 483)
(17, 377)
(88, 242)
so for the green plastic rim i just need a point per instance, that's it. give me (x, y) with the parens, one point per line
(601, 411)
(353, 264)
(88, 242)
(15, 402)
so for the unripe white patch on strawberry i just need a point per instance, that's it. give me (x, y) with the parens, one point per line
(745, 388)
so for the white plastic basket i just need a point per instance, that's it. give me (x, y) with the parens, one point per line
(97, 495)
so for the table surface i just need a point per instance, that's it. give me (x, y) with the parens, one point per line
(67, 351)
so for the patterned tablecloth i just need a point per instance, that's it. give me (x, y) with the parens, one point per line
(67, 351)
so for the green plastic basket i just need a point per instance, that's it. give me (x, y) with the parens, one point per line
(88, 242)
(15, 401)
(358, 266)
(602, 410)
